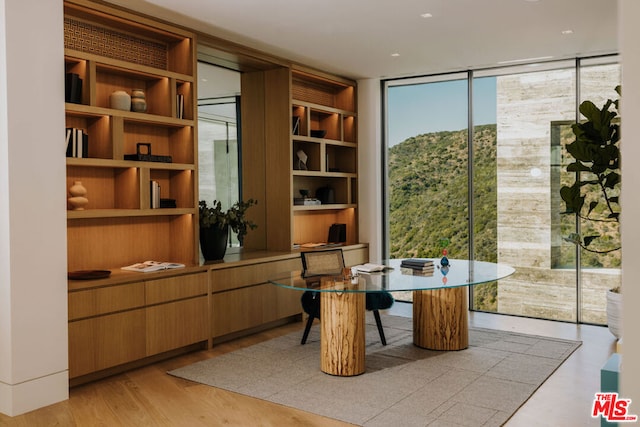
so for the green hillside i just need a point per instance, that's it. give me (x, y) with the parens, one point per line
(428, 198)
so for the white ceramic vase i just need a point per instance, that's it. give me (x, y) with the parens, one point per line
(120, 100)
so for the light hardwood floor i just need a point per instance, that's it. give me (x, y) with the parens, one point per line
(149, 397)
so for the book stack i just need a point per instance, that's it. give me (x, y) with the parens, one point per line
(77, 143)
(417, 266)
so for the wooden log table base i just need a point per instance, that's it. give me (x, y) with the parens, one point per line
(342, 333)
(440, 319)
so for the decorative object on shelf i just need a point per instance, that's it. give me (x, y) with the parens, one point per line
(302, 160)
(444, 243)
(78, 200)
(326, 195)
(318, 133)
(138, 101)
(146, 157)
(304, 193)
(215, 224)
(120, 100)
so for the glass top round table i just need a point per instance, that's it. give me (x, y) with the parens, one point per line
(440, 306)
(396, 279)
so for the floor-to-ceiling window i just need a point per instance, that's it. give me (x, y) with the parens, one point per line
(514, 162)
(427, 167)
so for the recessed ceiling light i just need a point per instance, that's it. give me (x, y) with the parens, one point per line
(567, 32)
(394, 54)
(426, 15)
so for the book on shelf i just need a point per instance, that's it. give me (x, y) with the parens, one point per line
(295, 121)
(73, 88)
(154, 194)
(149, 266)
(180, 106)
(77, 143)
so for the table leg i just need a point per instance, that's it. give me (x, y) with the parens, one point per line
(440, 319)
(342, 333)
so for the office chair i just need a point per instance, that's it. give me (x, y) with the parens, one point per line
(330, 262)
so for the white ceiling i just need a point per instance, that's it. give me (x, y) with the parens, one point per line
(356, 38)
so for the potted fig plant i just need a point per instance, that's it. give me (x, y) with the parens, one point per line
(594, 196)
(216, 222)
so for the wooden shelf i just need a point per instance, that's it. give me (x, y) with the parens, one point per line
(118, 225)
(126, 213)
(322, 103)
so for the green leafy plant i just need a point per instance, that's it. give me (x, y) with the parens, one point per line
(594, 196)
(234, 217)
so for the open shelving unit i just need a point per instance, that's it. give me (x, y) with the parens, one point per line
(324, 124)
(110, 52)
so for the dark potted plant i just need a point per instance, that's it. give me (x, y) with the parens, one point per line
(594, 196)
(215, 223)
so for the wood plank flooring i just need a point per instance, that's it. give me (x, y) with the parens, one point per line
(149, 397)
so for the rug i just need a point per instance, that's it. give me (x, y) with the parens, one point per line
(482, 385)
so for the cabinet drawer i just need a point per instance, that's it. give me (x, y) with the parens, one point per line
(99, 301)
(176, 324)
(175, 288)
(106, 341)
(235, 277)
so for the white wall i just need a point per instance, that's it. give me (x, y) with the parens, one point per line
(33, 254)
(629, 12)
(369, 170)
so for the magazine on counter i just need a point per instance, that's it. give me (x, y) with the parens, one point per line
(149, 266)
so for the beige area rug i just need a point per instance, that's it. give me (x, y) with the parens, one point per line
(403, 384)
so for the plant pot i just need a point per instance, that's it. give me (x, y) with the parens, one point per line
(614, 313)
(213, 242)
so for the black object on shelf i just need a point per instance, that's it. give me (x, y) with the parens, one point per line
(168, 203)
(318, 133)
(337, 233)
(146, 157)
(73, 88)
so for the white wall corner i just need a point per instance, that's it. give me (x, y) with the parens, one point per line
(369, 166)
(33, 289)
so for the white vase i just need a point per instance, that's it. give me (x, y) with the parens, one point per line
(120, 100)
(78, 200)
(614, 313)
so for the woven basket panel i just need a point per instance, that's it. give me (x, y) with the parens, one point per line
(97, 40)
(304, 91)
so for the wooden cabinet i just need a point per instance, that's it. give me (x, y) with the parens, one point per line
(114, 324)
(323, 114)
(111, 50)
(242, 299)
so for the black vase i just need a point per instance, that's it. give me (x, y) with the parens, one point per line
(213, 242)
